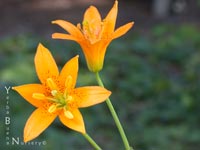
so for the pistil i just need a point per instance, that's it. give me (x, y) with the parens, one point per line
(59, 100)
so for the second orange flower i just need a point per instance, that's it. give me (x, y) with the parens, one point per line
(94, 35)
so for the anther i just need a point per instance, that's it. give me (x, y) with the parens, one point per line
(52, 108)
(54, 92)
(38, 96)
(69, 98)
(68, 114)
(51, 84)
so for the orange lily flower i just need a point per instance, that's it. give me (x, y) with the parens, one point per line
(57, 95)
(94, 35)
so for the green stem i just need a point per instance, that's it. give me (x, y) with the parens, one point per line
(115, 117)
(91, 141)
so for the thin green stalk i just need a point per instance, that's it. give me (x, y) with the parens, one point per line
(92, 142)
(115, 117)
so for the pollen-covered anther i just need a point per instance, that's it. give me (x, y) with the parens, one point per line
(51, 84)
(54, 92)
(52, 108)
(68, 114)
(38, 96)
(69, 98)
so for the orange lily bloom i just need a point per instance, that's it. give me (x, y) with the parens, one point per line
(57, 95)
(94, 35)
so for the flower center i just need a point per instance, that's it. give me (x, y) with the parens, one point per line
(59, 100)
(91, 30)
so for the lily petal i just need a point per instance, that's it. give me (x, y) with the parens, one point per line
(39, 120)
(64, 36)
(90, 95)
(76, 123)
(122, 30)
(111, 18)
(70, 28)
(70, 70)
(45, 64)
(26, 91)
(92, 17)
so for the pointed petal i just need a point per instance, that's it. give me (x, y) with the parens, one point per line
(45, 64)
(64, 36)
(111, 18)
(92, 16)
(122, 30)
(26, 91)
(39, 120)
(76, 123)
(70, 28)
(70, 69)
(90, 95)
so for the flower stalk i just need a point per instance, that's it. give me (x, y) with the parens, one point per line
(115, 117)
(91, 141)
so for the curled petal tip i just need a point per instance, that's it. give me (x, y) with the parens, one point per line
(15, 88)
(53, 36)
(40, 45)
(91, 7)
(116, 3)
(131, 24)
(53, 22)
(109, 92)
(56, 21)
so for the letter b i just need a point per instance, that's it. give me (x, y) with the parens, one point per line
(7, 120)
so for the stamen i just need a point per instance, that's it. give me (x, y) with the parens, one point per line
(68, 114)
(51, 84)
(52, 108)
(54, 92)
(52, 99)
(38, 96)
(85, 24)
(69, 98)
(92, 31)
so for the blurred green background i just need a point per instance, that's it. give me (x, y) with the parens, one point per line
(153, 73)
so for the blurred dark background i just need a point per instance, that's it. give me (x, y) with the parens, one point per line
(153, 72)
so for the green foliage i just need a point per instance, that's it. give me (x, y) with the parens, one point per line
(154, 79)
